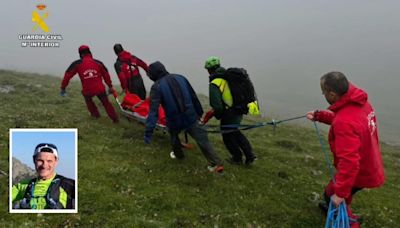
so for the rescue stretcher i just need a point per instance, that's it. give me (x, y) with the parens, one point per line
(133, 108)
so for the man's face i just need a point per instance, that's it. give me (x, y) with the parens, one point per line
(45, 164)
(331, 97)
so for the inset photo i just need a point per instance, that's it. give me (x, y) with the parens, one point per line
(43, 170)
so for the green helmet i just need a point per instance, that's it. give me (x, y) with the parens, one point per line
(212, 62)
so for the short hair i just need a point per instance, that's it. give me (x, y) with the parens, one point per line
(335, 82)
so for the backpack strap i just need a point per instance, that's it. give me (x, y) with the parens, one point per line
(25, 203)
(221, 83)
(226, 94)
(53, 193)
(69, 187)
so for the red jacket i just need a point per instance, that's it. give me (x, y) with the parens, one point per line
(354, 142)
(126, 70)
(91, 72)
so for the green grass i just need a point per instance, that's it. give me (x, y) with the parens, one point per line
(123, 182)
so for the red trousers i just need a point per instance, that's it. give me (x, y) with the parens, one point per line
(106, 103)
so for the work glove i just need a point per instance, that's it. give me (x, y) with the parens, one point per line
(63, 93)
(253, 108)
(147, 139)
(207, 116)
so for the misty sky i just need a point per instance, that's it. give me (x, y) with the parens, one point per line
(285, 45)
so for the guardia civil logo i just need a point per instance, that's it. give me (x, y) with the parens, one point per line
(40, 36)
(39, 17)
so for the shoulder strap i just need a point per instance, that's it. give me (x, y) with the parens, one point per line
(69, 187)
(26, 201)
(220, 83)
(53, 193)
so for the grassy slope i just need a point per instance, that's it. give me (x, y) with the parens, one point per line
(123, 181)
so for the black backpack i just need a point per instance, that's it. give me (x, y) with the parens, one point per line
(241, 87)
(135, 82)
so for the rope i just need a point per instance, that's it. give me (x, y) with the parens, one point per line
(325, 151)
(290, 119)
(228, 128)
(336, 217)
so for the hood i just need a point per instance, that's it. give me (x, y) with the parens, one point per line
(84, 50)
(354, 95)
(156, 71)
(124, 56)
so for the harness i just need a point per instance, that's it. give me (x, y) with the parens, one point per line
(52, 194)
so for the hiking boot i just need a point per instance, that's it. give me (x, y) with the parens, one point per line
(234, 162)
(250, 160)
(215, 169)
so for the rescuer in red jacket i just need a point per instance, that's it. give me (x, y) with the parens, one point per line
(127, 68)
(91, 72)
(353, 139)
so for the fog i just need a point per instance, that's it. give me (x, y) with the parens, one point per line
(286, 46)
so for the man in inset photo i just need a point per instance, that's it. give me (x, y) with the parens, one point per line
(47, 190)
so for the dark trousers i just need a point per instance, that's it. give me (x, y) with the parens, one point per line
(106, 103)
(201, 138)
(237, 144)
